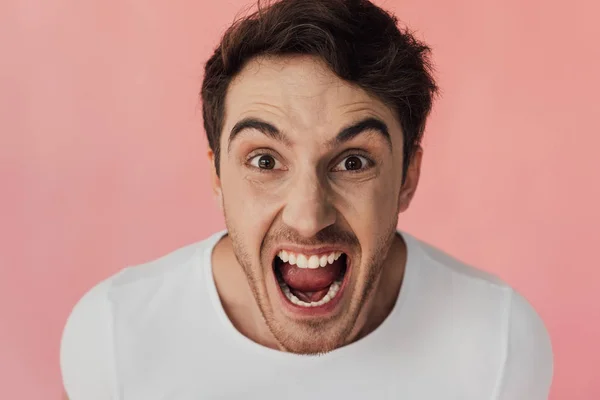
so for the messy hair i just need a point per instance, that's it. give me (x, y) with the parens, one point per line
(360, 42)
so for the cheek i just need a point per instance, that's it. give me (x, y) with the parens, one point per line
(248, 196)
(250, 208)
(260, 200)
(369, 210)
(368, 203)
(385, 200)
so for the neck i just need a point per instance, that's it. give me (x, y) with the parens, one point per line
(236, 296)
(387, 288)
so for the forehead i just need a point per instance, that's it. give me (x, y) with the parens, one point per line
(298, 92)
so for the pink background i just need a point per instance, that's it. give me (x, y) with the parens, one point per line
(102, 159)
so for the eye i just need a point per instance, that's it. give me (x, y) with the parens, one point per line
(264, 161)
(353, 162)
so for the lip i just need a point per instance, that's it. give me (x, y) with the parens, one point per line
(319, 311)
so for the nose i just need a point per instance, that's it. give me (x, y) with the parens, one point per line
(308, 209)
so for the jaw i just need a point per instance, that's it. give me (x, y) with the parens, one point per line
(311, 330)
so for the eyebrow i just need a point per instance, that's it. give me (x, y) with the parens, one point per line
(370, 124)
(259, 125)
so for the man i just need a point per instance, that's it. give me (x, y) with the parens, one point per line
(314, 112)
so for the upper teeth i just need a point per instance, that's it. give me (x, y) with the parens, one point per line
(304, 261)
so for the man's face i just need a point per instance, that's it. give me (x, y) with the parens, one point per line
(310, 174)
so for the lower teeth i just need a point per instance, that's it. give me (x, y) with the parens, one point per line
(333, 289)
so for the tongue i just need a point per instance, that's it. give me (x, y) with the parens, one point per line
(310, 297)
(310, 284)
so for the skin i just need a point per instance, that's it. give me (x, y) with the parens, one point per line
(308, 198)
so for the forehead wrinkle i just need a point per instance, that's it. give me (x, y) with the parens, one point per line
(262, 107)
(376, 109)
(363, 106)
(306, 99)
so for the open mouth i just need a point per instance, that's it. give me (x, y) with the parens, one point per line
(310, 280)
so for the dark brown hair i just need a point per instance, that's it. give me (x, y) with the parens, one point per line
(359, 41)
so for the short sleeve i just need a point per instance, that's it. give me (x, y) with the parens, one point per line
(529, 361)
(86, 349)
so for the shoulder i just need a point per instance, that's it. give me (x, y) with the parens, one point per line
(529, 365)
(86, 358)
(86, 350)
(524, 322)
(475, 293)
(436, 257)
(521, 318)
(166, 264)
(481, 299)
(162, 268)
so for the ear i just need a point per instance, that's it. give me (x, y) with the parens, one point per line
(215, 180)
(407, 192)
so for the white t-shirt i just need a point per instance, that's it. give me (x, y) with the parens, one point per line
(158, 331)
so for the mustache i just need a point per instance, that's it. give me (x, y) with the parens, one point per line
(330, 235)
